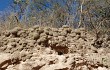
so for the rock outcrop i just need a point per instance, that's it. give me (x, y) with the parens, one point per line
(45, 48)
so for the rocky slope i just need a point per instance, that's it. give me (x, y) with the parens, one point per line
(45, 48)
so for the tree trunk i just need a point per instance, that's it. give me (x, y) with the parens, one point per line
(81, 14)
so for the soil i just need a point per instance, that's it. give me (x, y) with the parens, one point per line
(46, 48)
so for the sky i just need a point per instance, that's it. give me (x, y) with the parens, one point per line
(4, 4)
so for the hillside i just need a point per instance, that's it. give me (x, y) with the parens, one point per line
(46, 48)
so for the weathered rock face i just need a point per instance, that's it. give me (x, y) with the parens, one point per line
(45, 48)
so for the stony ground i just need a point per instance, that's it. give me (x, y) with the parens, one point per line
(45, 48)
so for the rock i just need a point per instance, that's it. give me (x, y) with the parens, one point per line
(36, 27)
(51, 33)
(5, 60)
(42, 39)
(54, 29)
(72, 35)
(48, 51)
(65, 26)
(82, 29)
(11, 45)
(43, 34)
(25, 66)
(47, 32)
(78, 32)
(31, 30)
(15, 57)
(62, 38)
(15, 31)
(22, 33)
(102, 68)
(7, 33)
(63, 33)
(40, 30)
(55, 34)
(35, 36)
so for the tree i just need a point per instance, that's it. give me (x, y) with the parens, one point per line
(89, 12)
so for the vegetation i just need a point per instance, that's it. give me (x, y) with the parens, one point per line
(90, 14)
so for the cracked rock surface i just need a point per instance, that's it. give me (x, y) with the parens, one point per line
(46, 48)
